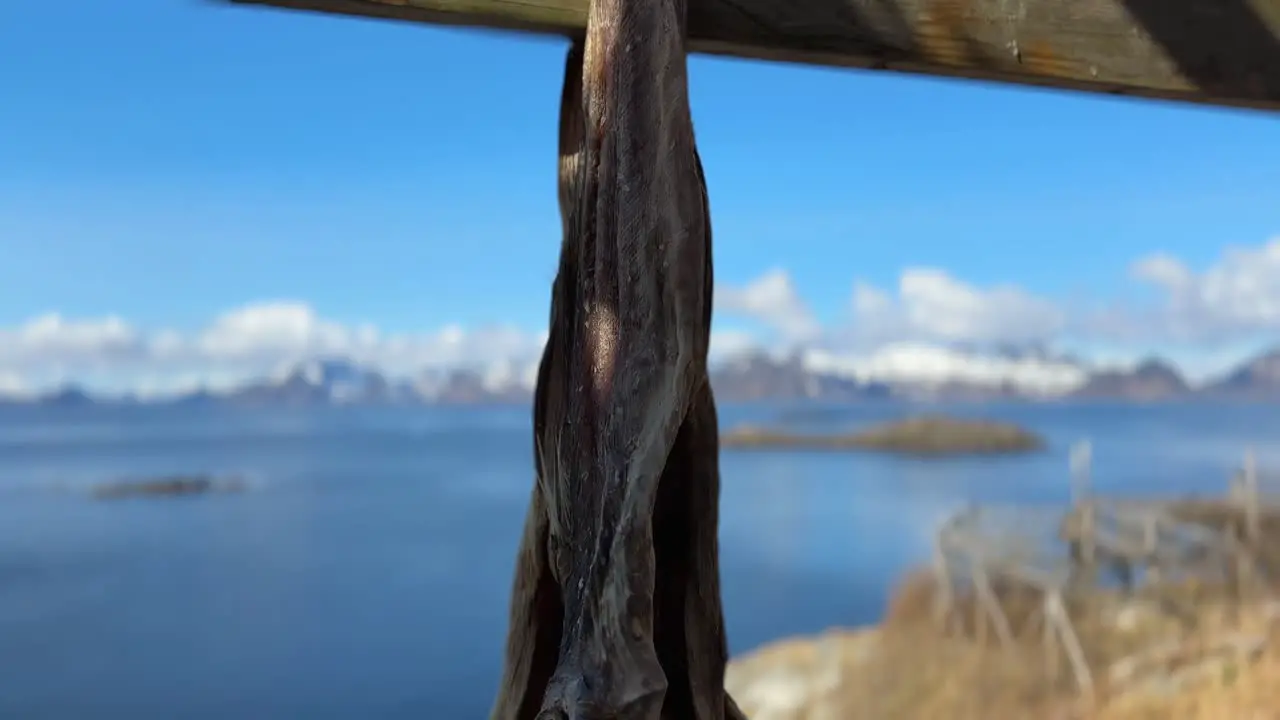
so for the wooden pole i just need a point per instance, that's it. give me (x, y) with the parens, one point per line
(1219, 52)
(943, 600)
(1049, 629)
(1252, 497)
(989, 605)
(1081, 462)
(1238, 572)
(1246, 535)
(1151, 546)
(1070, 643)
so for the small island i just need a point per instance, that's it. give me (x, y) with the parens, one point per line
(931, 436)
(167, 486)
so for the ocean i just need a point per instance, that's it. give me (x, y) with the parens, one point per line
(365, 574)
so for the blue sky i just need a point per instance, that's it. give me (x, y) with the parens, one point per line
(167, 161)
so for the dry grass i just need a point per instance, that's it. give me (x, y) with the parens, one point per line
(1238, 693)
(917, 675)
(917, 672)
(1231, 690)
(921, 674)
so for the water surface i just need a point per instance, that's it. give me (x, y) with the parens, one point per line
(366, 574)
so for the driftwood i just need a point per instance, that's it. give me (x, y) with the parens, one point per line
(615, 609)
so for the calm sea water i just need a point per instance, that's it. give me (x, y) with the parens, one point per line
(366, 574)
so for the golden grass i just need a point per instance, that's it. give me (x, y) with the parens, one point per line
(921, 674)
(918, 675)
(1238, 691)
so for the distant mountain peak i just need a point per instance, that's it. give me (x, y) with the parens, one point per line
(1258, 378)
(68, 395)
(1151, 379)
(904, 370)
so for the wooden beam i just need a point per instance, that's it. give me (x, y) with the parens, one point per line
(1217, 52)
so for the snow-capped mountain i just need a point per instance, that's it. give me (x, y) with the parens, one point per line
(321, 381)
(898, 371)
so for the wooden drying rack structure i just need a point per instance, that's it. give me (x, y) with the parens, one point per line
(972, 551)
(981, 546)
(1216, 52)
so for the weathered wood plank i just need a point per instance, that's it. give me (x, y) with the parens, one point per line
(1219, 52)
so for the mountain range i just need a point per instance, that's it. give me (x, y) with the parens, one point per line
(902, 373)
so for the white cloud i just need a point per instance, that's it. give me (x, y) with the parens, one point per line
(1163, 270)
(1206, 320)
(1235, 296)
(773, 301)
(931, 305)
(730, 343)
(262, 339)
(53, 338)
(249, 341)
(904, 337)
(911, 332)
(11, 384)
(275, 328)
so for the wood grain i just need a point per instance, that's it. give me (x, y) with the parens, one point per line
(1218, 52)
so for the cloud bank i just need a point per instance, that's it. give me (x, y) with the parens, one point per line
(911, 328)
(1239, 294)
